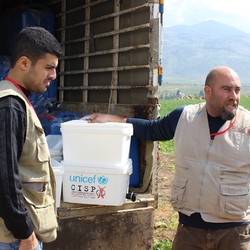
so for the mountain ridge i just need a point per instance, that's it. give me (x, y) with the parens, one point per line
(191, 51)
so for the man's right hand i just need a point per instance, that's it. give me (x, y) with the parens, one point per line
(30, 243)
(97, 117)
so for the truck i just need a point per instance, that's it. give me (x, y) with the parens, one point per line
(111, 63)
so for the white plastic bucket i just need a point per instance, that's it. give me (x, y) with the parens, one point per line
(58, 172)
(55, 146)
(104, 143)
(96, 185)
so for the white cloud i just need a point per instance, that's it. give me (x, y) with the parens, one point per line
(239, 7)
(231, 12)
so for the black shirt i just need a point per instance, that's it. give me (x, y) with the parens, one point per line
(12, 138)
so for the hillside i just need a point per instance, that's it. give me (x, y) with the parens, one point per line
(189, 52)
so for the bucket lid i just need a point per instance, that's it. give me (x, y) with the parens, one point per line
(98, 168)
(111, 126)
(56, 166)
(58, 170)
(97, 164)
(55, 163)
(55, 144)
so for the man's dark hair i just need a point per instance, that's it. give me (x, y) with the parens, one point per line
(34, 43)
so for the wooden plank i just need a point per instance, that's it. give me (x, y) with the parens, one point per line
(98, 70)
(111, 33)
(130, 110)
(106, 52)
(99, 87)
(70, 210)
(125, 230)
(86, 51)
(101, 18)
(63, 38)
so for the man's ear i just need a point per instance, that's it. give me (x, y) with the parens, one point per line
(24, 63)
(207, 91)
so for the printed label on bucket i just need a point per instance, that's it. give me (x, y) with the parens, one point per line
(88, 186)
(96, 185)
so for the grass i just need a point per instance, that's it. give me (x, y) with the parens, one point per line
(167, 147)
(245, 102)
(162, 245)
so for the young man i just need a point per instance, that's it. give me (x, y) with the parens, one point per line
(27, 183)
(210, 190)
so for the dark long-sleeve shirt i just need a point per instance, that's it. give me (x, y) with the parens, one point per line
(12, 138)
(164, 129)
(157, 130)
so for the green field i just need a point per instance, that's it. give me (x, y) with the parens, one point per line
(169, 105)
(167, 91)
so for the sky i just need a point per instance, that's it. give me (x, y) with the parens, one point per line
(235, 13)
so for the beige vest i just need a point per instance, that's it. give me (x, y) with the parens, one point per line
(212, 176)
(36, 174)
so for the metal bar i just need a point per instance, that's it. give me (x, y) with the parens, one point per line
(62, 62)
(90, 4)
(104, 69)
(111, 51)
(116, 39)
(86, 51)
(108, 87)
(106, 16)
(120, 31)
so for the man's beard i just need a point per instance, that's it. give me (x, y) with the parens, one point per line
(228, 115)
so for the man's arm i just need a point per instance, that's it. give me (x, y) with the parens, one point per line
(12, 138)
(154, 130)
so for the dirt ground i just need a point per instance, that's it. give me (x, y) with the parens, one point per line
(165, 217)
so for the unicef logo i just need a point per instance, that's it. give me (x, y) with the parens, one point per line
(102, 180)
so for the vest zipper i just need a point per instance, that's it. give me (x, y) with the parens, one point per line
(203, 172)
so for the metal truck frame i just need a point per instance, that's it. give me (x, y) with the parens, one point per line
(111, 64)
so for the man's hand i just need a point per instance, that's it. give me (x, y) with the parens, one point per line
(97, 117)
(30, 243)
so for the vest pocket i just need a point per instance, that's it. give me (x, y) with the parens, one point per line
(41, 144)
(41, 208)
(234, 200)
(177, 191)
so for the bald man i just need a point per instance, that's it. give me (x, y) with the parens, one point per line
(210, 190)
